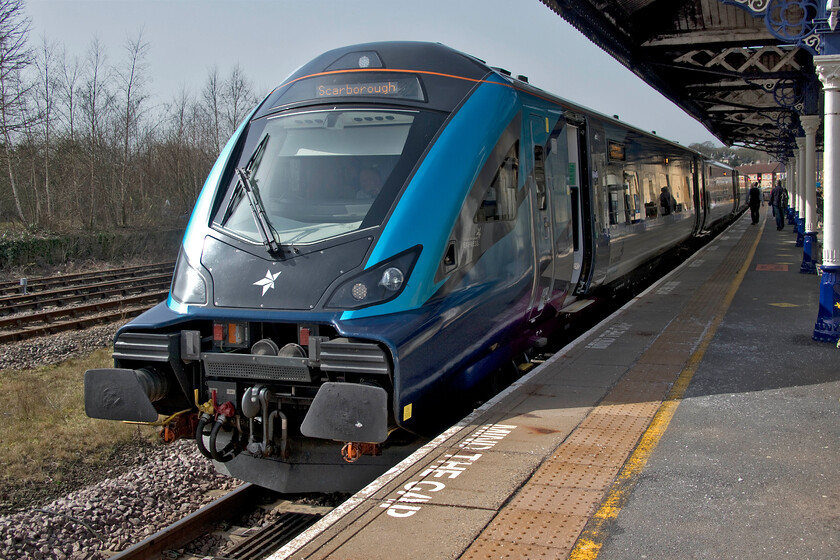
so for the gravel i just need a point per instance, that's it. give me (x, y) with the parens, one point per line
(52, 349)
(55, 348)
(158, 487)
(148, 488)
(114, 514)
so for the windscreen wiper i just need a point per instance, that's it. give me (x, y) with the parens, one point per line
(236, 195)
(252, 193)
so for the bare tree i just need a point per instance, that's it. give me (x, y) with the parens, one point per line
(82, 145)
(69, 80)
(212, 95)
(69, 153)
(15, 57)
(132, 89)
(27, 150)
(238, 96)
(95, 103)
(45, 102)
(175, 148)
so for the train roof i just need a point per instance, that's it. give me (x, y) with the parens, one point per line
(527, 87)
(439, 60)
(405, 55)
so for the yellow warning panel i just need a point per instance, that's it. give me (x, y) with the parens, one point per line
(406, 412)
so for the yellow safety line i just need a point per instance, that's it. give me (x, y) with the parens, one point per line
(592, 539)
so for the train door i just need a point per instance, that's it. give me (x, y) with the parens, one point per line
(582, 245)
(562, 181)
(556, 224)
(542, 213)
(704, 194)
(696, 171)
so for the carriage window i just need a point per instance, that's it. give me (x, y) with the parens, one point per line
(499, 202)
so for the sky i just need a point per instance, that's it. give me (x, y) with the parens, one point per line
(269, 39)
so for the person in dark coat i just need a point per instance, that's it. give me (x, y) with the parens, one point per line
(666, 201)
(776, 196)
(754, 202)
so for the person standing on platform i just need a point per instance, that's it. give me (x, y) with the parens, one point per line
(776, 202)
(754, 202)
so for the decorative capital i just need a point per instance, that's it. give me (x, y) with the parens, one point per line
(810, 124)
(828, 70)
(800, 142)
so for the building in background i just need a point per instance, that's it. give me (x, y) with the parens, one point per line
(765, 173)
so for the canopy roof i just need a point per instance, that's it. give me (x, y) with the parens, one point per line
(737, 66)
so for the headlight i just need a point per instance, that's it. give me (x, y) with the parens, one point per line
(377, 284)
(392, 279)
(188, 285)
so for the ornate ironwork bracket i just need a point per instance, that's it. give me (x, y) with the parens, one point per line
(792, 21)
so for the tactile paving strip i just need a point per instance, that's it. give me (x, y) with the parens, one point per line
(485, 548)
(536, 528)
(607, 428)
(566, 501)
(640, 409)
(574, 475)
(633, 388)
(572, 483)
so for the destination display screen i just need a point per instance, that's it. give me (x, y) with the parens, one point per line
(355, 84)
(351, 90)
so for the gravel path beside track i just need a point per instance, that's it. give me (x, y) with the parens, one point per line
(116, 513)
(56, 348)
(170, 483)
(93, 522)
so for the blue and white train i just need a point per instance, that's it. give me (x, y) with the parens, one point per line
(389, 227)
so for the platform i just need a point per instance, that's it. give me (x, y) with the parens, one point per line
(699, 421)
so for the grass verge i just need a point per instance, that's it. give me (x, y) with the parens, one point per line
(50, 447)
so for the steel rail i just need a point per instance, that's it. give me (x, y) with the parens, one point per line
(42, 282)
(102, 290)
(139, 304)
(52, 315)
(194, 525)
(272, 537)
(255, 545)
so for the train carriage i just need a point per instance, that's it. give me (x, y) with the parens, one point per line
(390, 227)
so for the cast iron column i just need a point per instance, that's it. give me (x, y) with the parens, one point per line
(810, 123)
(800, 191)
(790, 183)
(827, 327)
(792, 162)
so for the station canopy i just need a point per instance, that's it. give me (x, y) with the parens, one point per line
(743, 68)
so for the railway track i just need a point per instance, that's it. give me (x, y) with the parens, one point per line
(101, 290)
(224, 518)
(12, 287)
(79, 301)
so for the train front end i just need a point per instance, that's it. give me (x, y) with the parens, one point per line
(295, 289)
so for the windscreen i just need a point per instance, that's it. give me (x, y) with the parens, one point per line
(322, 174)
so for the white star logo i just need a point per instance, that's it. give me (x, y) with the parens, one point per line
(267, 283)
